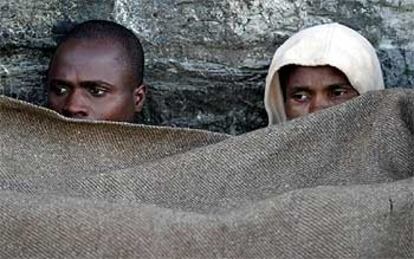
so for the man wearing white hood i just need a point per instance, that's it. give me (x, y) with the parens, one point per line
(317, 68)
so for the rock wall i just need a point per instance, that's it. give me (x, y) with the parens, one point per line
(206, 60)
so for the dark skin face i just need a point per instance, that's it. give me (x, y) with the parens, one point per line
(310, 89)
(88, 79)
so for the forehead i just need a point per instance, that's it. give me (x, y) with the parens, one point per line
(314, 75)
(83, 50)
(90, 60)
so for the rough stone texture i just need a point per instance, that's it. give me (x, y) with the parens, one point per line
(206, 60)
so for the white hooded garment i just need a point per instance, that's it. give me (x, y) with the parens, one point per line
(330, 44)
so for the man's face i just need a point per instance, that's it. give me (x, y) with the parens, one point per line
(89, 80)
(310, 89)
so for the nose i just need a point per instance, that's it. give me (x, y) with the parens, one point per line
(75, 105)
(319, 102)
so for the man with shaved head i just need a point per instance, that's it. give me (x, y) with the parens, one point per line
(97, 73)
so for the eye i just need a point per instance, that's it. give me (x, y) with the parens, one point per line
(342, 92)
(300, 96)
(60, 90)
(97, 91)
(339, 91)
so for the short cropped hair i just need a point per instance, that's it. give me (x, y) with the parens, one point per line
(108, 30)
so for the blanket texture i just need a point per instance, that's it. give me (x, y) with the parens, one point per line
(335, 184)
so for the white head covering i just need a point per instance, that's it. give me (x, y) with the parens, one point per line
(331, 44)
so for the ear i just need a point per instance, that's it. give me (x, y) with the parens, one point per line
(139, 97)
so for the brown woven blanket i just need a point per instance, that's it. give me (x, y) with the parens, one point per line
(335, 184)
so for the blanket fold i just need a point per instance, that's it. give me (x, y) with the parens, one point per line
(334, 184)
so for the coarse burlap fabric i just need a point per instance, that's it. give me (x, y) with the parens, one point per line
(335, 184)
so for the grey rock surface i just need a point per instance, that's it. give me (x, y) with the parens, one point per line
(206, 60)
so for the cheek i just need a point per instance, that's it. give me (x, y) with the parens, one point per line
(55, 102)
(343, 99)
(352, 95)
(115, 109)
(294, 110)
